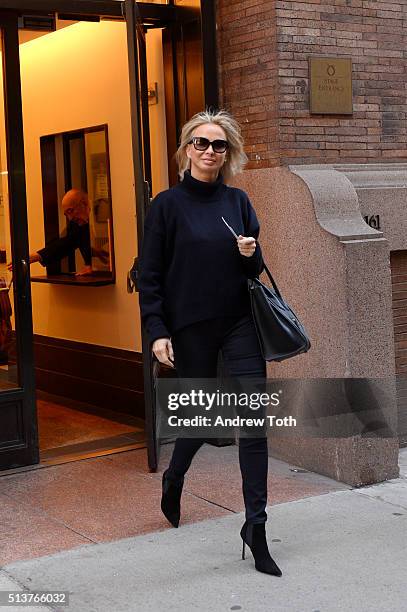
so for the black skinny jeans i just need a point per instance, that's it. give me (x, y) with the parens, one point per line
(196, 349)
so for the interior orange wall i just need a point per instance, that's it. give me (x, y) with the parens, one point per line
(74, 78)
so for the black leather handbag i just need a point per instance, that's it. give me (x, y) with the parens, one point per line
(280, 333)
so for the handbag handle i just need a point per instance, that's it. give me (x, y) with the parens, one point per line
(272, 281)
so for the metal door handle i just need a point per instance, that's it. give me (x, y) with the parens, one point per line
(25, 268)
(132, 277)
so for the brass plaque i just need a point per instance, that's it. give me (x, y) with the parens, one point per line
(330, 85)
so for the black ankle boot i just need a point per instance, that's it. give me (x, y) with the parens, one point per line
(171, 497)
(254, 535)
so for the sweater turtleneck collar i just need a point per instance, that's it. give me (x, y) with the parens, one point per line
(201, 189)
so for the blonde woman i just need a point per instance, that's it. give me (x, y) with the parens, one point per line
(194, 298)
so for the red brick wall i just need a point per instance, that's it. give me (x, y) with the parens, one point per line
(247, 51)
(372, 32)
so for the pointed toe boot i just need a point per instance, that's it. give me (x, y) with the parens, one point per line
(254, 535)
(171, 497)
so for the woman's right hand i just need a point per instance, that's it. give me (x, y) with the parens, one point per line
(162, 349)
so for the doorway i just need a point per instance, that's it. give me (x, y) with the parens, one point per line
(89, 353)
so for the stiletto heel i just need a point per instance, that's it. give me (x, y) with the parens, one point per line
(254, 535)
(243, 555)
(171, 498)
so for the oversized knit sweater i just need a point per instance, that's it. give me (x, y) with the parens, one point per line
(190, 267)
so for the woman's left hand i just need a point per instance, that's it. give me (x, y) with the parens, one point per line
(246, 245)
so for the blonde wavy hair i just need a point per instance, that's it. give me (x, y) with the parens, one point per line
(236, 158)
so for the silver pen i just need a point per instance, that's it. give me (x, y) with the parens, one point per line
(230, 229)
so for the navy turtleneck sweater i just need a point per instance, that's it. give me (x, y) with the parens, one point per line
(190, 267)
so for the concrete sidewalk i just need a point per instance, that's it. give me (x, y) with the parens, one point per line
(345, 550)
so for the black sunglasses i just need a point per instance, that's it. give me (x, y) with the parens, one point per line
(201, 144)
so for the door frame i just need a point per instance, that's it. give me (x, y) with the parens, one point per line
(102, 8)
(142, 185)
(22, 447)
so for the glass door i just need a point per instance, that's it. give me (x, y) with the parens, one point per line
(189, 65)
(18, 421)
(142, 175)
